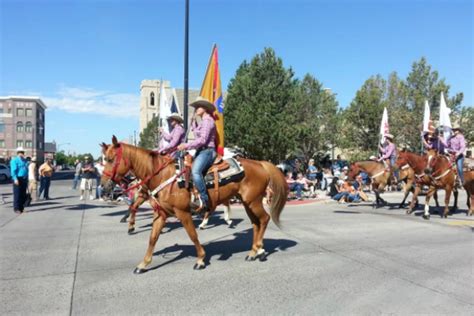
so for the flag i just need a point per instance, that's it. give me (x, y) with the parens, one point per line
(444, 120)
(174, 107)
(164, 113)
(384, 127)
(427, 122)
(211, 90)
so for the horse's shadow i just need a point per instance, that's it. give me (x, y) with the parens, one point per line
(223, 249)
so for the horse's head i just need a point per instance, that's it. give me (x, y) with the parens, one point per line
(354, 170)
(116, 165)
(402, 159)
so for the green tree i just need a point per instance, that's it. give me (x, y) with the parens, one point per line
(422, 84)
(257, 110)
(149, 135)
(361, 120)
(465, 118)
(315, 110)
(61, 158)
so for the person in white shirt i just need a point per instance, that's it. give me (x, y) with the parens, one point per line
(33, 179)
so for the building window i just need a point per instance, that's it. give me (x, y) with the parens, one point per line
(40, 145)
(28, 144)
(152, 98)
(28, 127)
(2, 127)
(2, 143)
(19, 143)
(19, 127)
(29, 112)
(20, 112)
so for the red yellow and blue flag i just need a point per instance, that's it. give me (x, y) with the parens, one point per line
(212, 90)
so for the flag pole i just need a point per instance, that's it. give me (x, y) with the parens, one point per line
(186, 69)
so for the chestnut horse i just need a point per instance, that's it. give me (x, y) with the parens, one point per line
(407, 174)
(378, 174)
(141, 196)
(441, 177)
(156, 170)
(469, 186)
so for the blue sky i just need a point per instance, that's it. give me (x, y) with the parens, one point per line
(86, 58)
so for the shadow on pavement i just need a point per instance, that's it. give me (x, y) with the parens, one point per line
(224, 249)
(45, 208)
(81, 207)
(346, 212)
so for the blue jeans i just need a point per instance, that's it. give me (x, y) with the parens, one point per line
(298, 187)
(393, 159)
(340, 195)
(459, 165)
(44, 187)
(19, 194)
(202, 162)
(75, 181)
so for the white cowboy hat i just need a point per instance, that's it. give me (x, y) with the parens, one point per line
(20, 149)
(345, 168)
(33, 159)
(457, 128)
(176, 117)
(388, 136)
(372, 158)
(203, 103)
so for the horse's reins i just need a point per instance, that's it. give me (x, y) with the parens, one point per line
(118, 159)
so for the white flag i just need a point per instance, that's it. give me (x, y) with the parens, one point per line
(384, 128)
(164, 112)
(444, 120)
(426, 117)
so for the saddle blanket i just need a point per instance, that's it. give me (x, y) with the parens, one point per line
(234, 173)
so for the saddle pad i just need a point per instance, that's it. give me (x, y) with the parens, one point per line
(234, 173)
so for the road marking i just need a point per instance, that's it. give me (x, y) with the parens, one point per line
(461, 223)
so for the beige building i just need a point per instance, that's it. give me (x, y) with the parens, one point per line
(22, 121)
(150, 99)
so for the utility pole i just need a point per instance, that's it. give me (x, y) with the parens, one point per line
(186, 70)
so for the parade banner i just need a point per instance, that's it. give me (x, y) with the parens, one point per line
(384, 127)
(444, 120)
(211, 90)
(164, 113)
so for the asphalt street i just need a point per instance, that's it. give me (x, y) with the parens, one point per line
(66, 257)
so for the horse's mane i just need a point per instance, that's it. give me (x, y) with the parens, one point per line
(142, 163)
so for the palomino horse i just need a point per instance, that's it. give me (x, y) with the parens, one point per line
(377, 172)
(442, 177)
(156, 170)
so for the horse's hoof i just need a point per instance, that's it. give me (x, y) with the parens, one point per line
(139, 271)
(409, 211)
(250, 258)
(427, 217)
(123, 220)
(131, 230)
(199, 266)
(201, 227)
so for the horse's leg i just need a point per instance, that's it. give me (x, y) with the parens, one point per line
(124, 218)
(252, 255)
(133, 213)
(187, 221)
(227, 213)
(455, 206)
(205, 220)
(447, 196)
(414, 199)
(430, 193)
(158, 224)
(259, 211)
(436, 198)
(470, 204)
(407, 191)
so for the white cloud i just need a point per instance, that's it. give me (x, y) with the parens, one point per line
(86, 100)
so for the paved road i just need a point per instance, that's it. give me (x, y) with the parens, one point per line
(65, 257)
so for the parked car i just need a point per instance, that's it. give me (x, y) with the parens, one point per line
(4, 172)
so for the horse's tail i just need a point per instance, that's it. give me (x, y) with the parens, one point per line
(279, 189)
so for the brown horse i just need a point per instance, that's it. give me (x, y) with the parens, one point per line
(441, 177)
(407, 174)
(156, 169)
(378, 174)
(469, 186)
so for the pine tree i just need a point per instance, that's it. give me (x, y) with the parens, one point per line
(149, 136)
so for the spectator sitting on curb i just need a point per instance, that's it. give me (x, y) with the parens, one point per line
(358, 185)
(293, 185)
(307, 185)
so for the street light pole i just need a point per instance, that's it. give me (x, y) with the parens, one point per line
(186, 70)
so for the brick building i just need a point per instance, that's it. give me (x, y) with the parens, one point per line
(22, 123)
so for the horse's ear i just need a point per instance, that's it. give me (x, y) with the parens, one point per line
(104, 147)
(115, 141)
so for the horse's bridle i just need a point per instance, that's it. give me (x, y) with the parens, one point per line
(117, 161)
